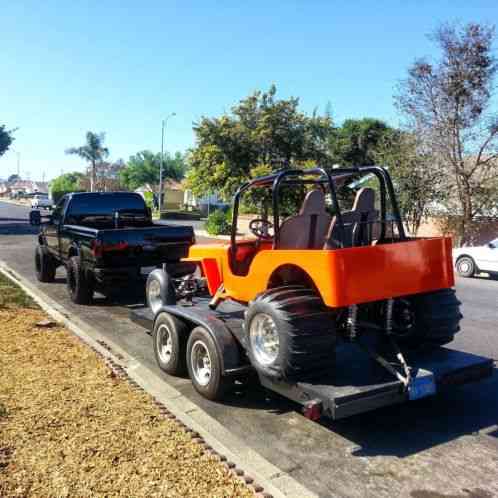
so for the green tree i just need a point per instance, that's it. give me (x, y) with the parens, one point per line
(66, 183)
(144, 167)
(261, 131)
(417, 182)
(356, 141)
(6, 139)
(448, 105)
(93, 151)
(13, 178)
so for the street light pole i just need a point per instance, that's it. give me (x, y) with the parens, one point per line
(164, 124)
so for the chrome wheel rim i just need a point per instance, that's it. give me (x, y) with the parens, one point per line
(200, 361)
(164, 344)
(464, 266)
(154, 295)
(265, 342)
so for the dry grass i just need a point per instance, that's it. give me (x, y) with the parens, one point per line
(70, 428)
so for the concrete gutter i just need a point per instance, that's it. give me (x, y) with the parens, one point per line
(275, 482)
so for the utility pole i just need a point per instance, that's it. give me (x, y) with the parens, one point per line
(18, 164)
(165, 122)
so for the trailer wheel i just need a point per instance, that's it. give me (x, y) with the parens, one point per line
(290, 334)
(45, 266)
(159, 290)
(435, 319)
(204, 365)
(78, 285)
(170, 344)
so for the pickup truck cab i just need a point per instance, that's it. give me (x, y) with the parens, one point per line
(104, 240)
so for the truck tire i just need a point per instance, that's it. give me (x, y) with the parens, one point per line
(45, 265)
(204, 365)
(436, 319)
(159, 290)
(170, 337)
(466, 267)
(290, 334)
(79, 286)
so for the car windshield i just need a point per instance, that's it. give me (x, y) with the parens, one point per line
(494, 242)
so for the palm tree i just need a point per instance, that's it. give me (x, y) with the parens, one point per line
(93, 151)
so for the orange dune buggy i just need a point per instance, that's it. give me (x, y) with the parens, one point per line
(322, 271)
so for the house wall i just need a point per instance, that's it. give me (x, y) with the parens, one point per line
(483, 230)
(173, 199)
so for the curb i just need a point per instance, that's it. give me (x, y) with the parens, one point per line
(263, 478)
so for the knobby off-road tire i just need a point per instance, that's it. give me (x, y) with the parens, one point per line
(170, 337)
(466, 267)
(45, 265)
(306, 333)
(203, 356)
(79, 287)
(436, 319)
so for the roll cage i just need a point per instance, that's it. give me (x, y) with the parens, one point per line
(324, 178)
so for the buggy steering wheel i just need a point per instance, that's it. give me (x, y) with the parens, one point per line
(260, 227)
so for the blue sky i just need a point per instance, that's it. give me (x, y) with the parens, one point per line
(120, 66)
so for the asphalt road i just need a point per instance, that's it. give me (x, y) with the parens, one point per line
(443, 446)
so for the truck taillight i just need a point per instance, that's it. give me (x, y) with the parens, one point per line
(97, 248)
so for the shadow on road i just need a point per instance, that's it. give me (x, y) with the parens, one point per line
(21, 220)
(18, 229)
(409, 428)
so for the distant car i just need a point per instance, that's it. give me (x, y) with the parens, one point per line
(469, 261)
(41, 201)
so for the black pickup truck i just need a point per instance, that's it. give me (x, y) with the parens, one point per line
(104, 240)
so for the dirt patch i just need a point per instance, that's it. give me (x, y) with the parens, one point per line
(70, 427)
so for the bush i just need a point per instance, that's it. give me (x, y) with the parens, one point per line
(219, 223)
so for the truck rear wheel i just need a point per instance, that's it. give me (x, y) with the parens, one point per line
(204, 365)
(435, 319)
(170, 344)
(78, 285)
(290, 333)
(45, 265)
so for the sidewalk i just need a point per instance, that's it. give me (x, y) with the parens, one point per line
(71, 427)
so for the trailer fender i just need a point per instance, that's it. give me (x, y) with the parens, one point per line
(226, 344)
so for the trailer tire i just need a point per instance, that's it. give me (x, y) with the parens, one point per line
(170, 337)
(45, 265)
(436, 319)
(79, 287)
(159, 290)
(204, 365)
(302, 329)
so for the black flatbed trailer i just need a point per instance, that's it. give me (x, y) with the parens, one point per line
(355, 384)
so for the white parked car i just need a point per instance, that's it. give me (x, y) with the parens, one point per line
(41, 201)
(469, 261)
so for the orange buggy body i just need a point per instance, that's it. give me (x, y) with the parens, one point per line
(342, 277)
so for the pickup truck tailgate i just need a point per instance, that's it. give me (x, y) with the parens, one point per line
(147, 246)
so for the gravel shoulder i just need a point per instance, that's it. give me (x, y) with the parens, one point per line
(70, 427)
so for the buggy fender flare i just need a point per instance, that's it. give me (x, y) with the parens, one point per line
(226, 344)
